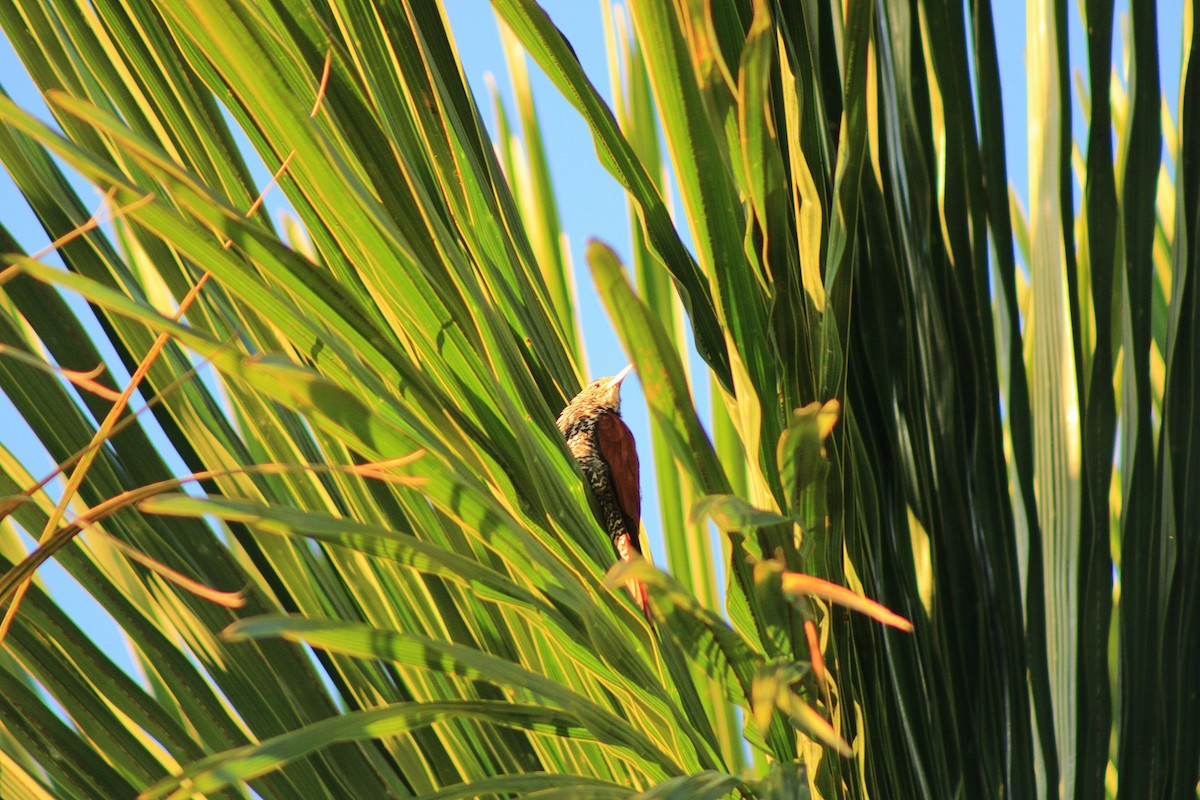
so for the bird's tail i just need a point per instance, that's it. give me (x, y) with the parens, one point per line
(642, 598)
(626, 551)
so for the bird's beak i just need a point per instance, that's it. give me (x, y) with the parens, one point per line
(620, 376)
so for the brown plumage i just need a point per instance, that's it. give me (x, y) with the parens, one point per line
(603, 445)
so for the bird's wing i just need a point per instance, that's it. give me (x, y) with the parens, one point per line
(618, 451)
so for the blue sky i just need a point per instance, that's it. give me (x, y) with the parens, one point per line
(591, 203)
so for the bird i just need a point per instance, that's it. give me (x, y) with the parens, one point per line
(604, 447)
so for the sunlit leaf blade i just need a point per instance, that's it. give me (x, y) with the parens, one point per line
(704, 785)
(1054, 393)
(216, 772)
(543, 784)
(547, 46)
(659, 370)
(363, 642)
(729, 511)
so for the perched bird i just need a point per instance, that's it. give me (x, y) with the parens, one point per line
(603, 445)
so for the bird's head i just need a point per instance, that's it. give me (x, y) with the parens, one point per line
(602, 393)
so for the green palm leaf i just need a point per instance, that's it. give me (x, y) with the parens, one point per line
(341, 536)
